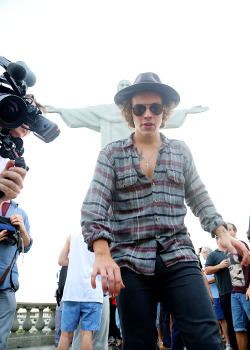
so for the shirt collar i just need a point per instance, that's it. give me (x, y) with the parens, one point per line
(128, 142)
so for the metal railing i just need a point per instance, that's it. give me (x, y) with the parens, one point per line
(33, 325)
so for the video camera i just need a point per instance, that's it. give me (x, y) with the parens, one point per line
(16, 109)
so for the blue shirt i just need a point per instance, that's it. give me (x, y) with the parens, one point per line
(7, 251)
(138, 216)
(213, 287)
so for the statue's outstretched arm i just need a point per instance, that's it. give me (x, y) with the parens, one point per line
(179, 116)
(77, 117)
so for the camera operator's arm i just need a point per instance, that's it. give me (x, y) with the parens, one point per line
(17, 219)
(11, 181)
(63, 257)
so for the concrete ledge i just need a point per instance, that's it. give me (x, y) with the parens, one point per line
(30, 340)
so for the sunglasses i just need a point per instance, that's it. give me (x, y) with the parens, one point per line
(155, 108)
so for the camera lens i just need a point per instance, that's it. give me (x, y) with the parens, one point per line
(13, 111)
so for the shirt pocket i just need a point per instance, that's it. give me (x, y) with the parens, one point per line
(131, 194)
(174, 187)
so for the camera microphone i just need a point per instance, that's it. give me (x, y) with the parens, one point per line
(30, 78)
(16, 71)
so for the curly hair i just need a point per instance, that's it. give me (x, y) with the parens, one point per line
(126, 112)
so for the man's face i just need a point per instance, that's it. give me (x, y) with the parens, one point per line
(231, 230)
(123, 84)
(204, 254)
(148, 123)
(20, 131)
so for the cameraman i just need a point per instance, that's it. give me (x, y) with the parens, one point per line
(11, 183)
(11, 178)
(8, 257)
(22, 131)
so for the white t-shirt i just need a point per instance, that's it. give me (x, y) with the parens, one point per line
(78, 282)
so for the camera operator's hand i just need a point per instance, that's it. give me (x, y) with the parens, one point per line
(3, 235)
(11, 181)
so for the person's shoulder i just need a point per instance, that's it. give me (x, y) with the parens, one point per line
(117, 146)
(210, 256)
(177, 146)
(19, 210)
(174, 143)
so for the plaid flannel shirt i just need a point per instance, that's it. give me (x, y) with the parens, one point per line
(139, 217)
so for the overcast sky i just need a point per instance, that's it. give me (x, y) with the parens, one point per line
(79, 51)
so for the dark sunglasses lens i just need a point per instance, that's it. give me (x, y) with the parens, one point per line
(156, 108)
(139, 110)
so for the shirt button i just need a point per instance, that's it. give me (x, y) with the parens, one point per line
(153, 184)
(123, 185)
(157, 236)
(156, 201)
(157, 219)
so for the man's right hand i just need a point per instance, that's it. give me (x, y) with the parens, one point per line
(224, 264)
(11, 181)
(105, 266)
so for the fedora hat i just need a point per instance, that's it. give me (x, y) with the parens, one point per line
(148, 82)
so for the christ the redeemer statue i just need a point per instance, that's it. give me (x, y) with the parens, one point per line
(107, 119)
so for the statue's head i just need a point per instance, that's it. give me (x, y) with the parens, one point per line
(123, 84)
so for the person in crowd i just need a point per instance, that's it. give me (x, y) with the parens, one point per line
(117, 321)
(217, 264)
(164, 332)
(81, 302)
(217, 305)
(59, 306)
(240, 303)
(9, 252)
(23, 130)
(135, 204)
(248, 231)
(100, 336)
(11, 177)
(114, 332)
(232, 229)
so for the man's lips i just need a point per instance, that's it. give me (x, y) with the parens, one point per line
(147, 124)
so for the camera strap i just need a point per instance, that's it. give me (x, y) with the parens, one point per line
(8, 268)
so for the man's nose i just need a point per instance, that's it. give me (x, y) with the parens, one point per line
(148, 113)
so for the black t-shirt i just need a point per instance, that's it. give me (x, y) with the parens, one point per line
(222, 277)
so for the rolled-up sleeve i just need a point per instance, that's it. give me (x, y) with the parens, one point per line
(95, 208)
(27, 226)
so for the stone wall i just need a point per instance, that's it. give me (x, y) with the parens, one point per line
(33, 325)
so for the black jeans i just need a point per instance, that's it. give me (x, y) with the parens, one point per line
(182, 289)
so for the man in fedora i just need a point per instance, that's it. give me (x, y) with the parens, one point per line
(133, 219)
